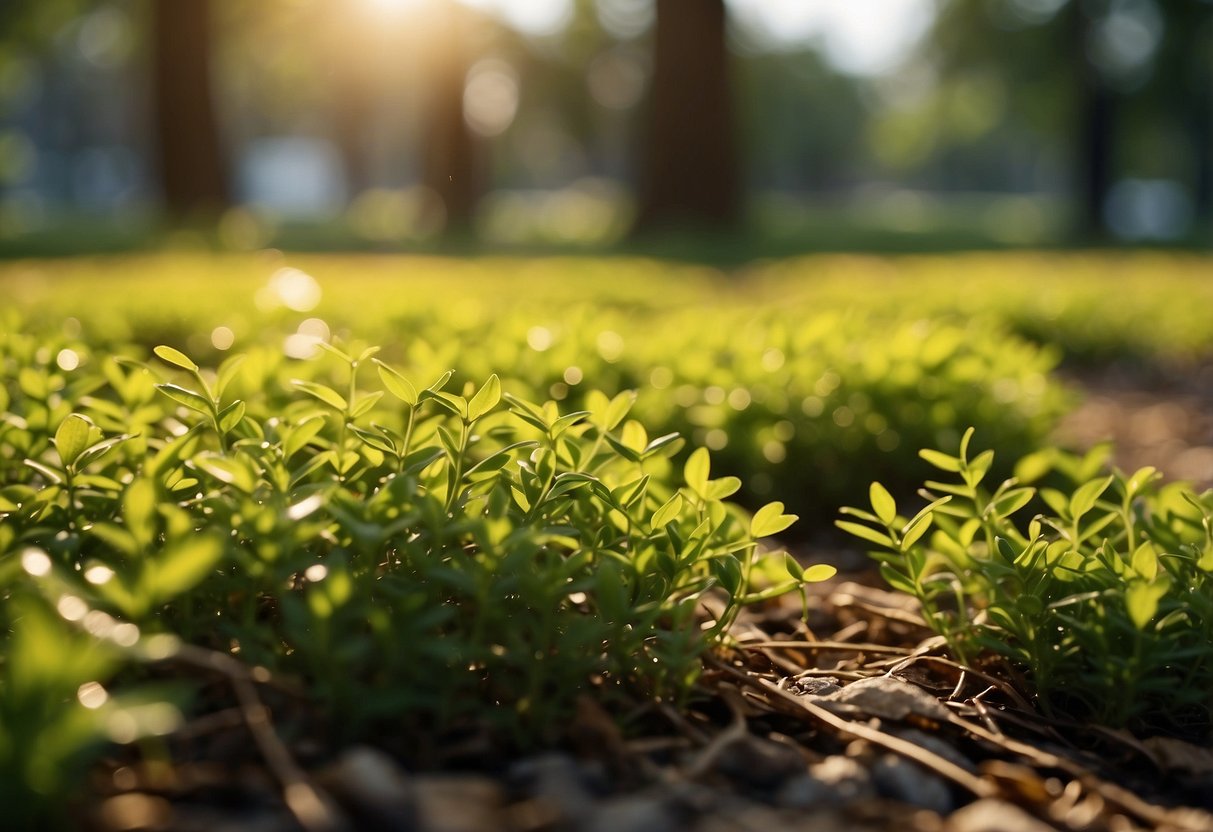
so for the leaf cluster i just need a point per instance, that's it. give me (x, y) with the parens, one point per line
(1099, 585)
(421, 558)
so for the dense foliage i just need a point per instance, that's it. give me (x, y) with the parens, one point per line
(421, 559)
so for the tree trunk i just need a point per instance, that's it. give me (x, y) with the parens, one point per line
(689, 173)
(192, 173)
(1095, 132)
(451, 168)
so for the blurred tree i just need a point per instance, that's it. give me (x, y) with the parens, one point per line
(1103, 86)
(1182, 83)
(451, 166)
(356, 56)
(689, 172)
(1096, 133)
(193, 174)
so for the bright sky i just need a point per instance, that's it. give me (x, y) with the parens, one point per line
(857, 36)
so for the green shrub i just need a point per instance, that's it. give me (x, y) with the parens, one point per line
(1105, 597)
(423, 559)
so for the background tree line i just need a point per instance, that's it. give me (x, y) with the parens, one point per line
(687, 108)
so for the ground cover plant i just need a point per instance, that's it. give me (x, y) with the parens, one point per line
(420, 558)
(794, 389)
(527, 495)
(1098, 588)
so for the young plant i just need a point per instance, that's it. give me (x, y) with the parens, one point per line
(1104, 597)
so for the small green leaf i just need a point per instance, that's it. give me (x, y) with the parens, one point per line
(668, 512)
(897, 579)
(723, 487)
(770, 520)
(964, 443)
(376, 440)
(865, 532)
(234, 472)
(1140, 479)
(940, 460)
(1145, 561)
(618, 409)
(622, 449)
(303, 433)
(139, 511)
(979, 467)
(819, 572)
(231, 415)
(915, 529)
(188, 398)
(456, 405)
(567, 421)
(329, 348)
(1142, 597)
(365, 403)
(1012, 501)
(1084, 498)
(175, 357)
(882, 503)
(396, 384)
(227, 373)
(1034, 466)
(319, 391)
(793, 566)
(441, 382)
(72, 438)
(181, 566)
(660, 442)
(486, 398)
(696, 471)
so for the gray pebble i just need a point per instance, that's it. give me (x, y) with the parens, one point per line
(902, 780)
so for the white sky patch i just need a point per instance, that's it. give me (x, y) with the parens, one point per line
(860, 38)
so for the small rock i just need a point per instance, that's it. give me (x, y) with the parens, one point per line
(991, 815)
(557, 781)
(834, 781)
(902, 780)
(885, 697)
(759, 762)
(459, 803)
(804, 791)
(634, 813)
(814, 685)
(372, 787)
(938, 746)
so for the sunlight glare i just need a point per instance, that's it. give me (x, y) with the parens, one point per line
(393, 7)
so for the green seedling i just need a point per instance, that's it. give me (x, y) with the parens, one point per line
(1100, 589)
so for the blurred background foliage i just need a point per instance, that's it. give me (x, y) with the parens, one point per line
(571, 124)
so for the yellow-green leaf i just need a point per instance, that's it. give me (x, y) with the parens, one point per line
(668, 512)
(325, 394)
(882, 503)
(698, 466)
(770, 520)
(486, 398)
(818, 572)
(175, 357)
(72, 438)
(396, 384)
